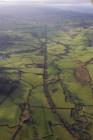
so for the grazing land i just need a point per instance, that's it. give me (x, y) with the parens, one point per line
(46, 74)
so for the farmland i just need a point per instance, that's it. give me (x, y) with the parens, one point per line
(46, 76)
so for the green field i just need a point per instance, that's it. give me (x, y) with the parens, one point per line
(53, 66)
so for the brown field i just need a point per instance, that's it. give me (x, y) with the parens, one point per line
(82, 74)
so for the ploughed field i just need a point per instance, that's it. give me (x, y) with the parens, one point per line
(46, 81)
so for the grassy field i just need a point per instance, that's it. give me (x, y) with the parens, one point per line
(53, 100)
